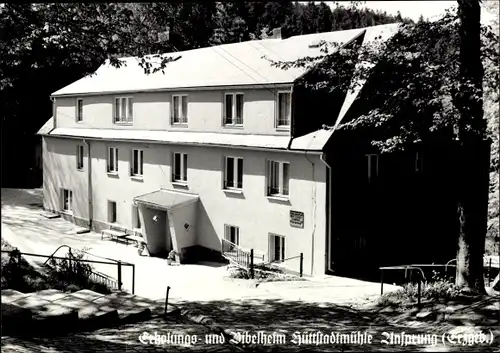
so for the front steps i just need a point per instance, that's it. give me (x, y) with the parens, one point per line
(52, 312)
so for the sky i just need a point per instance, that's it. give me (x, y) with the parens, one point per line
(412, 9)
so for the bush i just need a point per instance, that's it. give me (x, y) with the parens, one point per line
(263, 273)
(63, 274)
(438, 288)
(70, 270)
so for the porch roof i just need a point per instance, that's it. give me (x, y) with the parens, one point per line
(166, 199)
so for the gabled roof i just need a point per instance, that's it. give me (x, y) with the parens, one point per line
(237, 64)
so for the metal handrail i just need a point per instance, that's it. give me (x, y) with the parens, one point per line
(242, 257)
(300, 256)
(117, 263)
(62, 246)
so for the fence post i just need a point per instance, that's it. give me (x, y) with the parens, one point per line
(251, 264)
(301, 263)
(119, 263)
(419, 289)
(489, 273)
(166, 301)
(133, 278)
(381, 282)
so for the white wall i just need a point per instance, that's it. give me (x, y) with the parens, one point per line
(255, 214)
(60, 172)
(152, 112)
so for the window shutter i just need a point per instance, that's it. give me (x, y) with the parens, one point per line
(116, 110)
(130, 116)
(132, 163)
(141, 162)
(184, 107)
(184, 176)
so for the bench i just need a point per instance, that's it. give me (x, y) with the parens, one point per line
(114, 233)
(136, 238)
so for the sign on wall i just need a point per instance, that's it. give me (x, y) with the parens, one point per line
(297, 219)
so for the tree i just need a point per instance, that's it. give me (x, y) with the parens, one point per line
(472, 205)
(423, 84)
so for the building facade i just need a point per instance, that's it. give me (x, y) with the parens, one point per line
(211, 149)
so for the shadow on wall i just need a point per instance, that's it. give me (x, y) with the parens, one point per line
(208, 243)
(157, 232)
(61, 156)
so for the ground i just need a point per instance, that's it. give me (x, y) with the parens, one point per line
(324, 304)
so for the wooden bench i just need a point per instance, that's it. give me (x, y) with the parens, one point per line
(114, 233)
(138, 239)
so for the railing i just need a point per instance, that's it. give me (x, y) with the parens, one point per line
(419, 269)
(115, 283)
(301, 263)
(235, 253)
(245, 259)
(104, 279)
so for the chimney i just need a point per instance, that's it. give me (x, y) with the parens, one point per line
(276, 33)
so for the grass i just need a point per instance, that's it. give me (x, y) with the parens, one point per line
(23, 277)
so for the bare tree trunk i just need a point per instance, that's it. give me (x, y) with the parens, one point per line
(474, 163)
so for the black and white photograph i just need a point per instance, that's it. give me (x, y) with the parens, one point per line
(268, 176)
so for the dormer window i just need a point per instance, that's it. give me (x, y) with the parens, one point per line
(179, 109)
(123, 110)
(79, 110)
(284, 109)
(233, 108)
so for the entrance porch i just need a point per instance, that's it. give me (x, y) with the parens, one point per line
(168, 220)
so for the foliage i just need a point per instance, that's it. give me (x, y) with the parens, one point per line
(70, 269)
(66, 275)
(437, 289)
(47, 46)
(491, 109)
(263, 273)
(416, 74)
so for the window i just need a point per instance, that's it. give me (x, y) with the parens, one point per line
(111, 212)
(233, 173)
(137, 163)
(136, 220)
(278, 178)
(284, 109)
(179, 109)
(232, 234)
(233, 108)
(419, 162)
(79, 110)
(67, 200)
(276, 247)
(79, 157)
(113, 160)
(180, 167)
(372, 164)
(123, 110)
